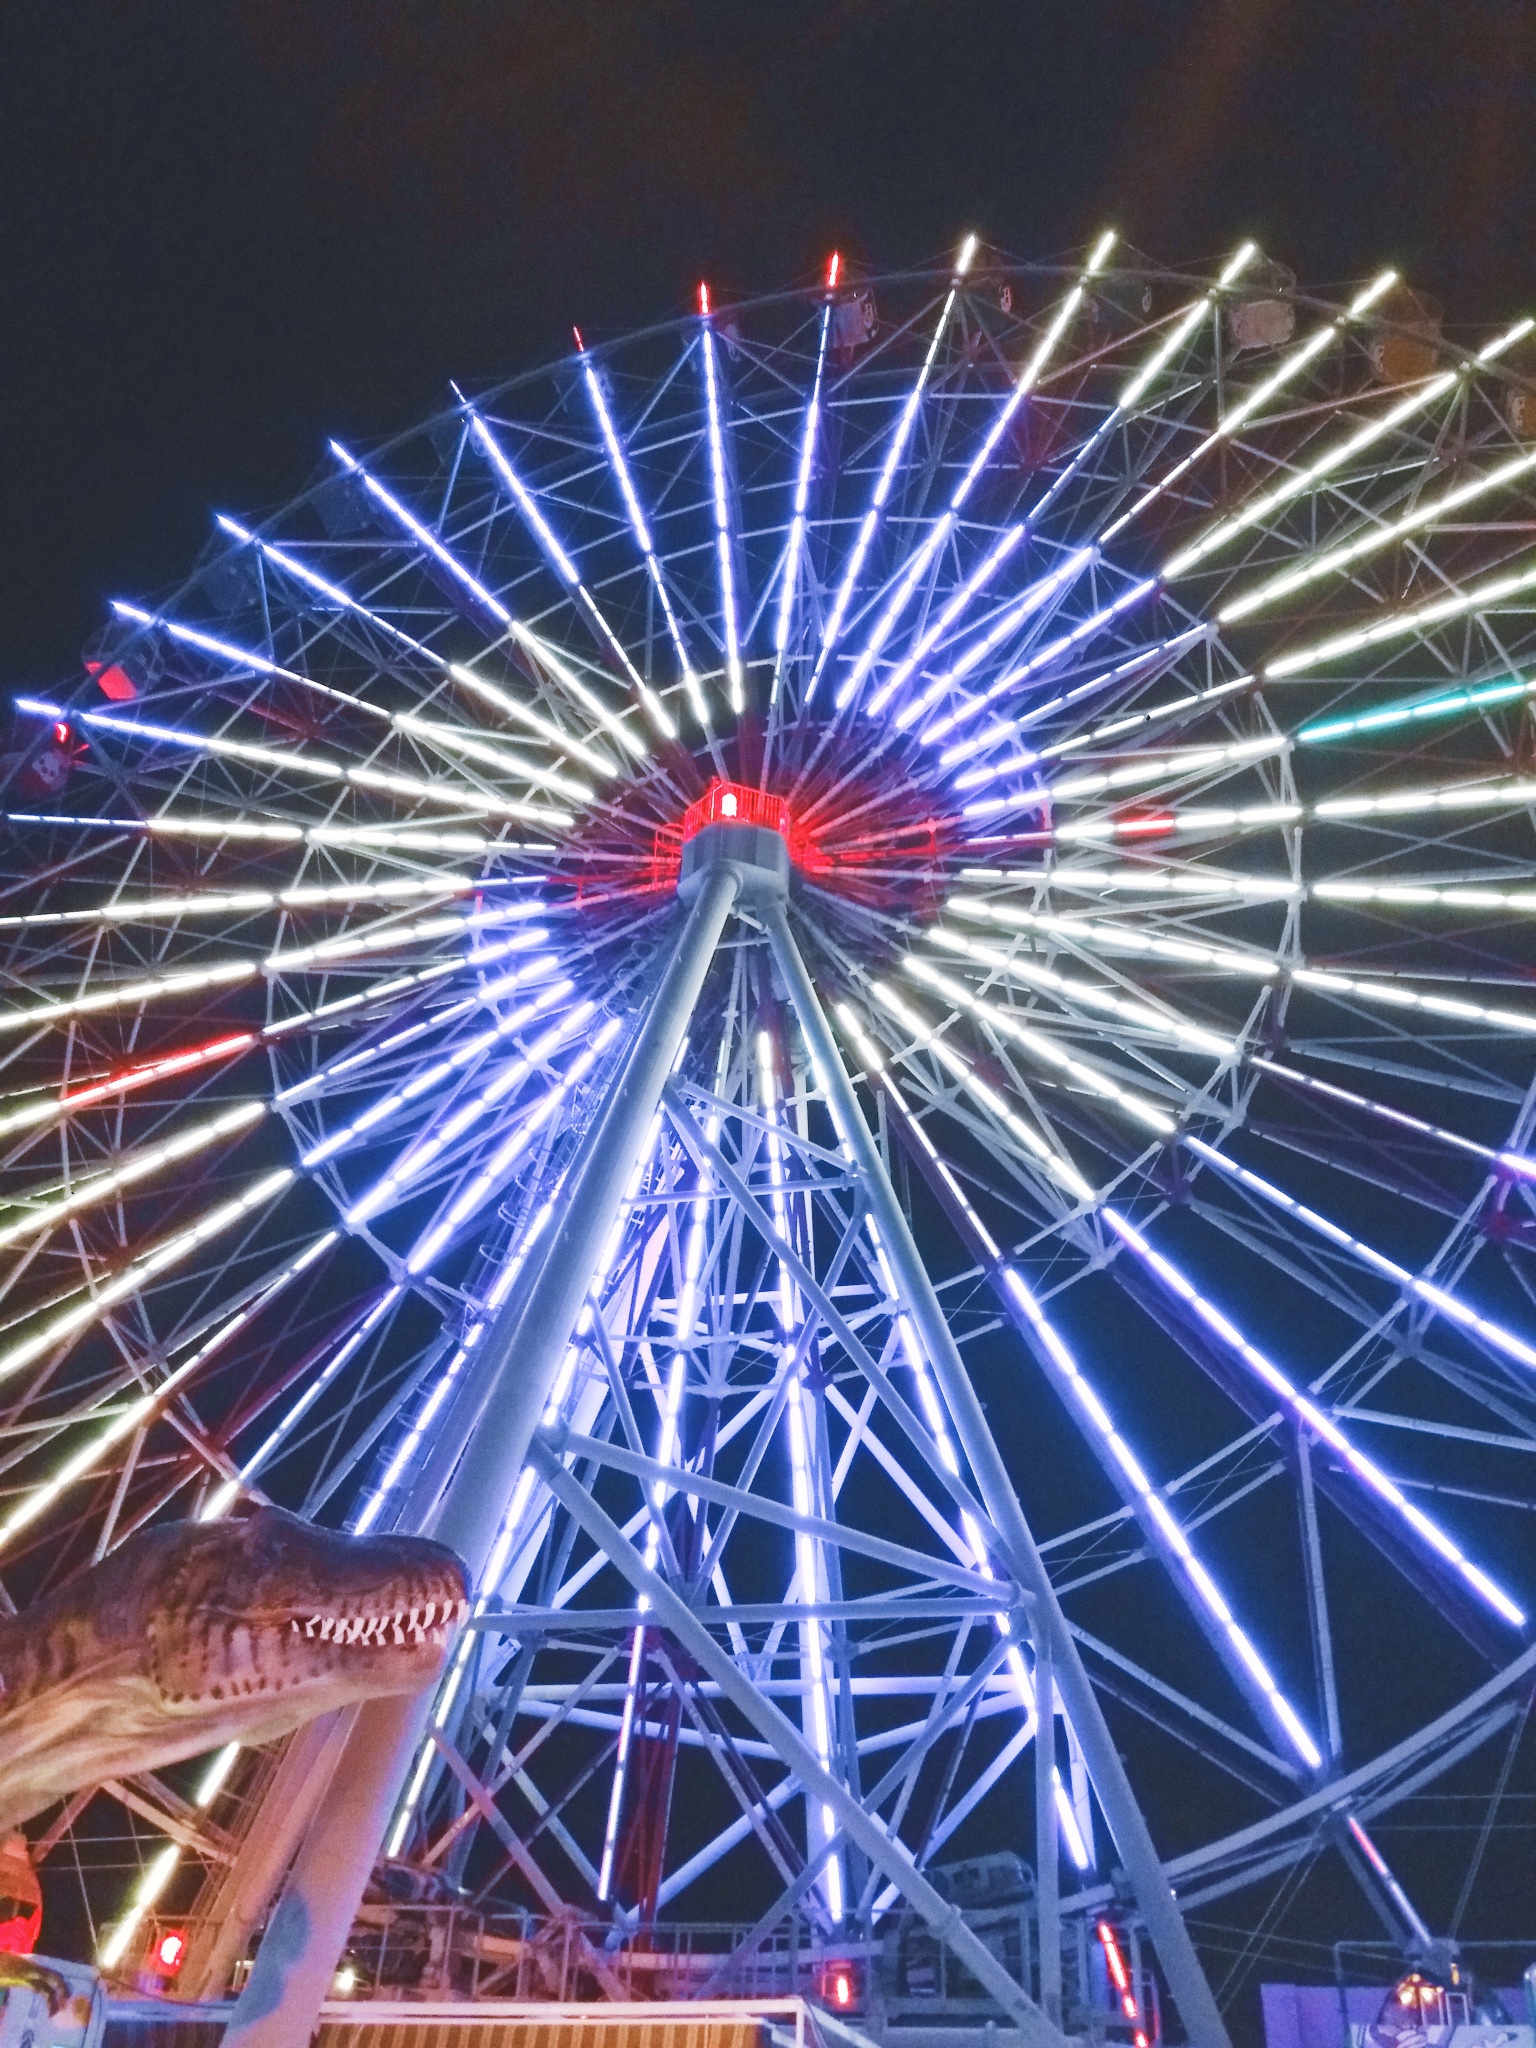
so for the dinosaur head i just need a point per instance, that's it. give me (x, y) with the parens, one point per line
(189, 1637)
(271, 1610)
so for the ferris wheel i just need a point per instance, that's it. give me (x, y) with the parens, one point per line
(1033, 763)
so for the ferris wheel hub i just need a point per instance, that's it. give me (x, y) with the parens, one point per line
(736, 826)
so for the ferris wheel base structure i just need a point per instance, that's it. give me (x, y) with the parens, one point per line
(726, 866)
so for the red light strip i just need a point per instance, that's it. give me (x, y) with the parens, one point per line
(1121, 1979)
(159, 1070)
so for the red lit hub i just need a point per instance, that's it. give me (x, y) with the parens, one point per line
(735, 803)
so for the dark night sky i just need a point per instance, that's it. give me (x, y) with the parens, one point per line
(233, 228)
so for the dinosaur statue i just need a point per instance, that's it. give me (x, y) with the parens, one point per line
(204, 1633)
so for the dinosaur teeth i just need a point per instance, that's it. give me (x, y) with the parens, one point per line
(419, 1624)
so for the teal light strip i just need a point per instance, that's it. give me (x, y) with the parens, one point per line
(1475, 698)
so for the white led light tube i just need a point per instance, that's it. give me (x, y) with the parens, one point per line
(100, 1187)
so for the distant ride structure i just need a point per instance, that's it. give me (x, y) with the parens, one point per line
(846, 986)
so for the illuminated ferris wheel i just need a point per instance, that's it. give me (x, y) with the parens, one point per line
(847, 985)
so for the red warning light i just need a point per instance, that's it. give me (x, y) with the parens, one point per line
(841, 1987)
(170, 1952)
(113, 682)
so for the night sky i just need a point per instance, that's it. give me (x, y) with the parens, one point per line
(230, 230)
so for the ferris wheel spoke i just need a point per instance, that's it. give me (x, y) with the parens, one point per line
(316, 1373)
(1056, 1170)
(1292, 365)
(1332, 561)
(1318, 1424)
(1494, 1157)
(39, 1112)
(210, 1334)
(1142, 1011)
(948, 618)
(483, 690)
(1138, 1016)
(640, 530)
(334, 593)
(604, 633)
(1413, 620)
(317, 958)
(427, 1148)
(1256, 1367)
(1051, 587)
(1133, 676)
(895, 449)
(1055, 654)
(1229, 889)
(1184, 324)
(1134, 673)
(430, 1080)
(241, 831)
(233, 1044)
(1482, 1329)
(455, 738)
(127, 1281)
(43, 1216)
(1365, 1365)
(1187, 1720)
(1121, 1466)
(227, 903)
(1180, 1088)
(379, 1054)
(405, 1454)
(721, 496)
(484, 608)
(1034, 367)
(1044, 1050)
(1476, 699)
(1339, 454)
(491, 1177)
(794, 547)
(1211, 765)
(1247, 963)
(474, 797)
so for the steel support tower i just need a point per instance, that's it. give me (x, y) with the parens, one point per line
(756, 1173)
